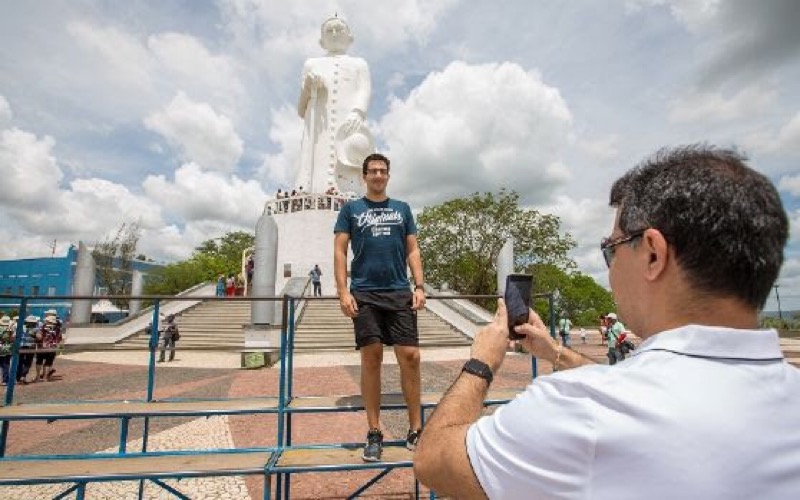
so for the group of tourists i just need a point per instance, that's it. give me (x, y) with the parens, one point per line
(39, 344)
(299, 199)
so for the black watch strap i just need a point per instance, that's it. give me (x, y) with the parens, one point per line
(479, 369)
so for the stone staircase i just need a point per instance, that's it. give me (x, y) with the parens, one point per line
(209, 325)
(218, 325)
(323, 327)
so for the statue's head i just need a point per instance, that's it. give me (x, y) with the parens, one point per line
(335, 35)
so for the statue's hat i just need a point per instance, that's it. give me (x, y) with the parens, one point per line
(351, 149)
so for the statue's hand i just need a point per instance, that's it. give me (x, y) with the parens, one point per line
(353, 122)
(312, 81)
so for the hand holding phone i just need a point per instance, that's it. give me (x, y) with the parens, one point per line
(518, 301)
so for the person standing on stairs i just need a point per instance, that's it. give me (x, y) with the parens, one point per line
(383, 236)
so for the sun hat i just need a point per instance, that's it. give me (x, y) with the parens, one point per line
(351, 149)
(5, 321)
(611, 316)
(31, 319)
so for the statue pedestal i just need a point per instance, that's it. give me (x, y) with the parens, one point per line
(305, 238)
(262, 346)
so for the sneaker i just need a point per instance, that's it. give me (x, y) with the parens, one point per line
(374, 446)
(412, 438)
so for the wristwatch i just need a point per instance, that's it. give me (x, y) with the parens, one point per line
(479, 369)
(419, 287)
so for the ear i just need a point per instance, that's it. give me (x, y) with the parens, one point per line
(657, 249)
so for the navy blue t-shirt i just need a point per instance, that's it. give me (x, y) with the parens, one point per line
(378, 233)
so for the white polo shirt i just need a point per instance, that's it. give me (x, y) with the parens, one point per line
(695, 413)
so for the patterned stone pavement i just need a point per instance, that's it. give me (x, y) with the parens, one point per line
(101, 376)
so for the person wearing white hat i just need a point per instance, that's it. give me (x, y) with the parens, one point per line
(49, 339)
(6, 346)
(613, 332)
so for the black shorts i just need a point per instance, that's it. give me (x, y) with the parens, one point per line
(45, 358)
(385, 317)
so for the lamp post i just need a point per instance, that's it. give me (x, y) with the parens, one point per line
(778, 297)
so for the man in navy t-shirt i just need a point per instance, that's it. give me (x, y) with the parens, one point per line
(383, 237)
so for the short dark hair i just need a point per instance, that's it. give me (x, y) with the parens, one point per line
(725, 221)
(374, 157)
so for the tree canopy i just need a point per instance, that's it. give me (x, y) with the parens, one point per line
(210, 259)
(580, 298)
(461, 239)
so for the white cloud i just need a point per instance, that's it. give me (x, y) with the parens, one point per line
(28, 170)
(36, 210)
(786, 140)
(286, 130)
(196, 69)
(129, 65)
(715, 107)
(196, 195)
(791, 185)
(5, 113)
(201, 134)
(603, 149)
(280, 39)
(475, 128)
(694, 14)
(588, 221)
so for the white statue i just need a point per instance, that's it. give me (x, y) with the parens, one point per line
(333, 102)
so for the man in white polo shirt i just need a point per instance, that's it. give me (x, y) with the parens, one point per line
(705, 408)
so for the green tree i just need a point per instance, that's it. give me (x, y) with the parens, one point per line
(210, 259)
(113, 257)
(581, 299)
(461, 239)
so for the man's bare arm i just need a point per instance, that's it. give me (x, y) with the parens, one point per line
(346, 301)
(441, 461)
(414, 258)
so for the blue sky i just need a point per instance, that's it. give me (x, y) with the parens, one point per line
(181, 114)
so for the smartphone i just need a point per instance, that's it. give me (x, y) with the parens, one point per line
(518, 301)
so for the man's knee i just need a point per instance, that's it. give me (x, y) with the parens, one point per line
(408, 355)
(372, 356)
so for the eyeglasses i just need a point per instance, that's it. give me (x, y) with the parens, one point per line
(378, 171)
(607, 245)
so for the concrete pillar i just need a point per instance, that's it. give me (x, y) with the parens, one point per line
(505, 265)
(136, 289)
(83, 285)
(265, 272)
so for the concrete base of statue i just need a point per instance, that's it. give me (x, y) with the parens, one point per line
(305, 229)
(262, 346)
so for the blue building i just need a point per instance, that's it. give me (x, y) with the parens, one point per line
(47, 277)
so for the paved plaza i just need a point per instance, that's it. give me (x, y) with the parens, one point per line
(114, 376)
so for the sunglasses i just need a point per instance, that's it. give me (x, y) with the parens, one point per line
(608, 246)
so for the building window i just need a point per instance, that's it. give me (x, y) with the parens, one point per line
(8, 290)
(287, 270)
(51, 290)
(35, 290)
(21, 290)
